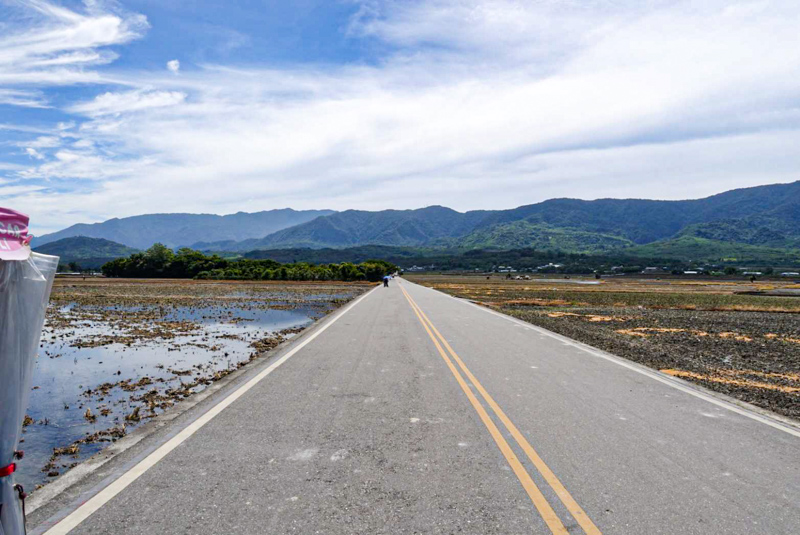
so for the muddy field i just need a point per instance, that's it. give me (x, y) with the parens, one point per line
(116, 353)
(739, 338)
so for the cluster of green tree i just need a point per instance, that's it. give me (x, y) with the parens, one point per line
(70, 267)
(160, 261)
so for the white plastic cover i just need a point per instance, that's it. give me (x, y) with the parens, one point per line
(24, 292)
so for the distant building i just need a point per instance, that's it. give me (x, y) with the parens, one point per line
(691, 272)
(790, 274)
(652, 270)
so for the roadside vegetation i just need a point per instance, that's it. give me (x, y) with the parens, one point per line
(160, 261)
(710, 332)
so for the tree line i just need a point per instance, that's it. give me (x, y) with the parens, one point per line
(159, 261)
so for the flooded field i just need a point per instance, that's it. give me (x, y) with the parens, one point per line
(116, 353)
(736, 337)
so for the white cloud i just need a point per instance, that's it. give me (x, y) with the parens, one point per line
(33, 153)
(174, 66)
(127, 102)
(23, 98)
(13, 191)
(52, 45)
(482, 104)
(44, 142)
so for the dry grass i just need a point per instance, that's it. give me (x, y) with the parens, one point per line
(746, 383)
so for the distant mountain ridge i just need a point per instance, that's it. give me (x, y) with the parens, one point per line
(174, 230)
(762, 216)
(87, 252)
(566, 224)
(387, 227)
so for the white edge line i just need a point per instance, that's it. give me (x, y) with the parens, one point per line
(669, 381)
(97, 501)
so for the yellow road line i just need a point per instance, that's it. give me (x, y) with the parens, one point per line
(566, 498)
(548, 514)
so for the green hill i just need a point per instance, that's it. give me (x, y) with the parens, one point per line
(387, 227)
(89, 253)
(760, 230)
(527, 235)
(646, 221)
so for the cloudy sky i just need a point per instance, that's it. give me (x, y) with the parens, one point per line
(111, 109)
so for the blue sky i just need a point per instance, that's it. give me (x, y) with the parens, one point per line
(110, 109)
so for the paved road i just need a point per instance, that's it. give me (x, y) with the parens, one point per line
(414, 412)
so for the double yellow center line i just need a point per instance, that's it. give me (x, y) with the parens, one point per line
(542, 505)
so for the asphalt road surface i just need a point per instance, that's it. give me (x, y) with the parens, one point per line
(414, 412)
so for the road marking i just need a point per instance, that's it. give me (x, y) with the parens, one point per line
(566, 498)
(97, 501)
(640, 369)
(542, 505)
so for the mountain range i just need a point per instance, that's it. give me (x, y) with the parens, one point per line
(763, 217)
(175, 230)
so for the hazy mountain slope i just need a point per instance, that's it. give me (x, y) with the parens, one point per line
(355, 255)
(186, 229)
(524, 234)
(645, 221)
(753, 231)
(387, 227)
(88, 252)
(640, 221)
(776, 223)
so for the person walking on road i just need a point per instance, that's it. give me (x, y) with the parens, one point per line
(386, 281)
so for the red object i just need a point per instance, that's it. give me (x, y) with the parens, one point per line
(8, 470)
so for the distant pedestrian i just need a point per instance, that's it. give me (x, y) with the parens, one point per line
(386, 281)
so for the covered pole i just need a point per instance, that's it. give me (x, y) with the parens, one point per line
(26, 280)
